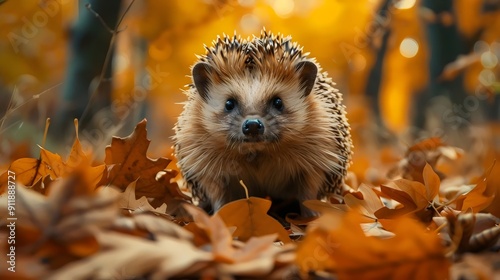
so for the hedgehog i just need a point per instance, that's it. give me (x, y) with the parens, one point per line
(261, 112)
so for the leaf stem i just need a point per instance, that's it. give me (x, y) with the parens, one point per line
(244, 187)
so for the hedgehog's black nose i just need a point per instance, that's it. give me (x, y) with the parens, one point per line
(253, 127)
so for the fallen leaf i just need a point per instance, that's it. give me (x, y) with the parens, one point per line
(427, 151)
(368, 205)
(58, 227)
(250, 218)
(322, 206)
(30, 171)
(476, 199)
(128, 200)
(417, 198)
(346, 251)
(153, 225)
(173, 197)
(130, 257)
(129, 162)
(470, 232)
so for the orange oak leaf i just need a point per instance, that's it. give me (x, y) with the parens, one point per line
(129, 162)
(250, 218)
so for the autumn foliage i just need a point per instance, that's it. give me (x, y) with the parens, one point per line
(128, 218)
(414, 206)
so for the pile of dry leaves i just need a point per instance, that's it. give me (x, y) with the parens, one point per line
(128, 219)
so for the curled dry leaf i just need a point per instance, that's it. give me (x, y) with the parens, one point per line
(469, 232)
(476, 266)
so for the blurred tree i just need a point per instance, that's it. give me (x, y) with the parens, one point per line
(379, 43)
(490, 8)
(445, 45)
(90, 40)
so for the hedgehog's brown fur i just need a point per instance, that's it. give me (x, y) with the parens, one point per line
(307, 148)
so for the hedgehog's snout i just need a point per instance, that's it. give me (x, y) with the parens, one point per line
(252, 127)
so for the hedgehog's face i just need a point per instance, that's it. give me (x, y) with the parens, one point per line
(255, 109)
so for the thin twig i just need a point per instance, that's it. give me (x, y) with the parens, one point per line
(12, 125)
(36, 96)
(108, 54)
(89, 7)
(8, 106)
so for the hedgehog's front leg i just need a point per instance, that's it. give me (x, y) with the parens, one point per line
(309, 189)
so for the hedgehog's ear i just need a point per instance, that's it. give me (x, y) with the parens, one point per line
(307, 71)
(201, 78)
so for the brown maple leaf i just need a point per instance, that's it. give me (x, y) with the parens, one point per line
(129, 162)
(173, 196)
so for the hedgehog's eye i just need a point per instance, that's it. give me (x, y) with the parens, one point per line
(278, 104)
(230, 104)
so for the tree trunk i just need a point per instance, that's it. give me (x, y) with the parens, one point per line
(89, 45)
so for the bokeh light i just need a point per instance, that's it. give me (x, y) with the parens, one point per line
(489, 60)
(487, 77)
(283, 8)
(404, 4)
(481, 46)
(250, 23)
(408, 47)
